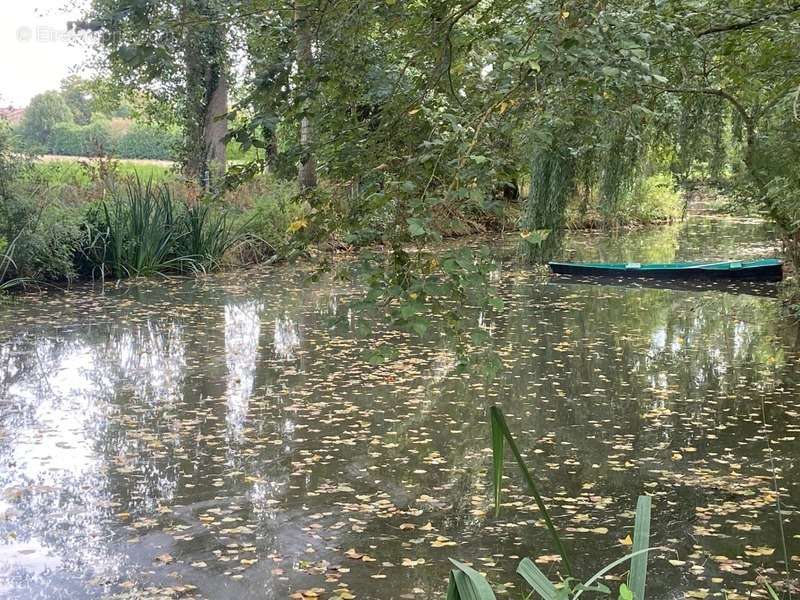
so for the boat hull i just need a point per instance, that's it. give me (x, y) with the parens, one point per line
(762, 270)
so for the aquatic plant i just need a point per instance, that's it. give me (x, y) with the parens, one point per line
(138, 232)
(7, 265)
(467, 584)
(207, 235)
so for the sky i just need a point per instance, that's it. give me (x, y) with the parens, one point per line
(35, 51)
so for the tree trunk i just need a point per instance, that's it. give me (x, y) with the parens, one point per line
(307, 171)
(216, 123)
(206, 89)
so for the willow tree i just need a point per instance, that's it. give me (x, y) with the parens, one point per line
(174, 52)
(744, 57)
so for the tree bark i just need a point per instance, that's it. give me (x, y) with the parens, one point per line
(216, 123)
(206, 89)
(307, 170)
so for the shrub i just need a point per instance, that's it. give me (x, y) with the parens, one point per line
(38, 239)
(274, 215)
(69, 139)
(147, 142)
(653, 199)
(42, 239)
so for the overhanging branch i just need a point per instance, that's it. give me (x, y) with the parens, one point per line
(748, 23)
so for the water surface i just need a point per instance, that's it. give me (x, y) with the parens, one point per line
(224, 439)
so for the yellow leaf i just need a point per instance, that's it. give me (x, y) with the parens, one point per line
(297, 225)
(626, 541)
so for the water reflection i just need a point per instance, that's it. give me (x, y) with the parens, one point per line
(286, 339)
(166, 447)
(242, 335)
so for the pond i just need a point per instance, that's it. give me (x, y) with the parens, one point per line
(223, 439)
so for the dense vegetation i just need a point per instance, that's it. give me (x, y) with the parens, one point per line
(414, 109)
(403, 122)
(70, 123)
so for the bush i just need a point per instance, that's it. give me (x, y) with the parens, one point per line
(38, 239)
(274, 216)
(69, 139)
(42, 239)
(147, 142)
(653, 199)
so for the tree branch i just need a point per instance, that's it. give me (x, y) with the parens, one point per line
(754, 22)
(713, 92)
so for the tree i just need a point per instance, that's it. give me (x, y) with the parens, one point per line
(77, 93)
(175, 53)
(307, 171)
(739, 65)
(44, 112)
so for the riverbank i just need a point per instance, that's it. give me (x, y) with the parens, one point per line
(81, 227)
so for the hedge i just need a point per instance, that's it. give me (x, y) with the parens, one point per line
(140, 141)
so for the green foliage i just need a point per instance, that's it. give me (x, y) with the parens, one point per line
(147, 142)
(42, 237)
(140, 141)
(137, 233)
(466, 583)
(650, 199)
(44, 112)
(178, 70)
(209, 234)
(78, 95)
(274, 218)
(145, 231)
(38, 238)
(93, 139)
(500, 437)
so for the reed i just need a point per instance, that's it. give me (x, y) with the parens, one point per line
(467, 584)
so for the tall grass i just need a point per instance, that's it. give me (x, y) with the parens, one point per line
(138, 232)
(7, 266)
(208, 235)
(144, 231)
(468, 584)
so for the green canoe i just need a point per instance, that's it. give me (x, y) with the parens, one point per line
(767, 269)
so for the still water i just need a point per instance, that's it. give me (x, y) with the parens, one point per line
(222, 439)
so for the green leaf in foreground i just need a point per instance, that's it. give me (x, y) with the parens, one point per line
(537, 580)
(641, 540)
(499, 431)
(467, 584)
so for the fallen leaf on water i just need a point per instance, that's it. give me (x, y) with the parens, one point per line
(409, 562)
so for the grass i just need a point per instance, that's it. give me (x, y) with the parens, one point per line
(208, 235)
(145, 231)
(137, 232)
(7, 265)
(467, 584)
(77, 172)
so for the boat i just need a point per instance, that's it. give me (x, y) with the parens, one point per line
(766, 269)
